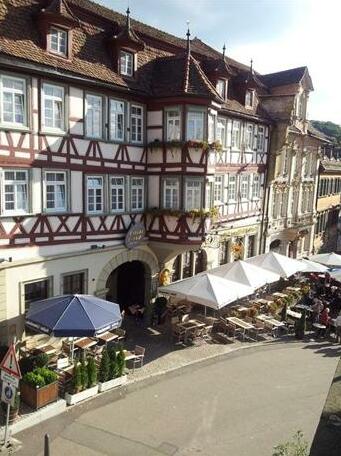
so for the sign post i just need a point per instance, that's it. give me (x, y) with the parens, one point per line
(10, 375)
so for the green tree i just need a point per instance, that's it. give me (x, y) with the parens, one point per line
(92, 372)
(77, 378)
(84, 374)
(104, 367)
(120, 362)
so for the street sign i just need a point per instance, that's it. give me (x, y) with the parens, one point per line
(10, 363)
(8, 393)
(8, 378)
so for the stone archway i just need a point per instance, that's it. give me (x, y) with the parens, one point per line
(151, 271)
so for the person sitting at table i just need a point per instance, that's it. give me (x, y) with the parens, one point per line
(317, 308)
(325, 319)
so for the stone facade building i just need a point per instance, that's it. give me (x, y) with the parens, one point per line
(108, 126)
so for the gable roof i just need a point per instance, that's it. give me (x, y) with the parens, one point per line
(286, 77)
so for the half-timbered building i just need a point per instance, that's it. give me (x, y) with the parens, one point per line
(125, 152)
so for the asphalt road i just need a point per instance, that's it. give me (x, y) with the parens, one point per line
(243, 405)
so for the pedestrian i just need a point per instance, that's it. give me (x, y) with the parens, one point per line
(317, 308)
(325, 320)
(338, 328)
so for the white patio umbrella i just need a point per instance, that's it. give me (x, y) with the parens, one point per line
(246, 273)
(208, 290)
(328, 259)
(312, 266)
(277, 263)
(336, 275)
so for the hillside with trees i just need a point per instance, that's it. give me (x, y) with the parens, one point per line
(328, 128)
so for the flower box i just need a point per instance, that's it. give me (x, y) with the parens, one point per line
(113, 383)
(72, 399)
(39, 397)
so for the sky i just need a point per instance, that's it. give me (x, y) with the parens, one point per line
(276, 34)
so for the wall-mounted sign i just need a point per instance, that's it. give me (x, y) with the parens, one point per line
(135, 235)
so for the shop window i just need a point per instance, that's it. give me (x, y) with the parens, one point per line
(223, 252)
(74, 283)
(36, 291)
(251, 246)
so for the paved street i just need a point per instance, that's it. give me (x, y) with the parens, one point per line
(243, 405)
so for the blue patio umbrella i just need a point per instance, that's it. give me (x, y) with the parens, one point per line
(73, 316)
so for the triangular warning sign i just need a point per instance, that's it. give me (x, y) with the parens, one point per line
(10, 363)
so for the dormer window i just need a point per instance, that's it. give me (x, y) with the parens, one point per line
(222, 88)
(249, 98)
(58, 43)
(126, 63)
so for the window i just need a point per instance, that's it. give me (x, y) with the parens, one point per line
(15, 191)
(218, 189)
(95, 194)
(249, 137)
(126, 63)
(116, 120)
(93, 116)
(58, 41)
(193, 194)
(223, 252)
(35, 291)
(249, 98)
(195, 125)
(173, 132)
(74, 283)
(235, 140)
(284, 204)
(55, 191)
(171, 193)
(232, 188)
(251, 246)
(211, 127)
(137, 193)
(53, 107)
(285, 162)
(136, 124)
(117, 194)
(221, 88)
(256, 186)
(187, 270)
(260, 139)
(221, 131)
(244, 186)
(13, 101)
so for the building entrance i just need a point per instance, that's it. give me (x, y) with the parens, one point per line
(126, 284)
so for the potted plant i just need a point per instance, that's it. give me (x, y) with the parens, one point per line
(84, 382)
(39, 387)
(112, 367)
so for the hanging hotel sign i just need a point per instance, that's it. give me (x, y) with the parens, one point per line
(135, 235)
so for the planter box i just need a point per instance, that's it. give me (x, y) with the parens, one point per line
(115, 382)
(39, 397)
(72, 399)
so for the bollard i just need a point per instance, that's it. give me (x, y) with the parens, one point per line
(47, 445)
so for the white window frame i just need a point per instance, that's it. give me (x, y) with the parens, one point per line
(173, 131)
(172, 185)
(119, 187)
(221, 131)
(249, 136)
(55, 184)
(232, 188)
(114, 116)
(89, 108)
(218, 189)
(126, 66)
(134, 137)
(249, 98)
(244, 189)
(137, 188)
(256, 187)
(235, 135)
(196, 114)
(221, 88)
(54, 99)
(94, 211)
(192, 189)
(60, 32)
(13, 92)
(14, 183)
(260, 138)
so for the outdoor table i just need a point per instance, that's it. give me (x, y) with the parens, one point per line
(303, 307)
(47, 349)
(242, 309)
(241, 324)
(280, 295)
(274, 324)
(263, 317)
(189, 326)
(293, 314)
(85, 343)
(293, 288)
(107, 337)
(263, 301)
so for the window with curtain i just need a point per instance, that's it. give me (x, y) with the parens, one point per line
(171, 193)
(53, 107)
(235, 138)
(15, 191)
(117, 187)
(218, 189)
(136, 124)
(58, 41)
(126, 63)
(137, 193)
(116, 120)
(256, 186)
(260, 138)
(221, 131)
(244, 186)
(249, 137)
(173, 124)
(55, 191)
(95, 203)
(193, 194)
(93, 116)
(13, 101)
(195, 125)
(232, 193)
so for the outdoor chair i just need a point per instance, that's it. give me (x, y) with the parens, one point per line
(185, 318)
(233, 331)
(139, 355)
(178, 333)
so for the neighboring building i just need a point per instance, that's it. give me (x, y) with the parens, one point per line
(107, 124)
(328, 224)
(293, 165)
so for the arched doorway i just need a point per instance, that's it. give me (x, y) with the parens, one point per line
(275, 246)
(126, 284)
